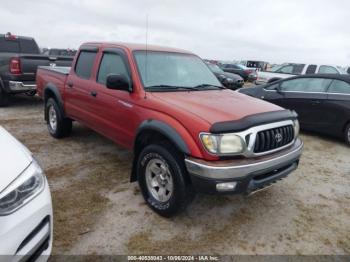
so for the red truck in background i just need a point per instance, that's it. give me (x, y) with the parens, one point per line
(188, 133)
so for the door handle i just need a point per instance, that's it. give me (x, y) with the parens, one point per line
(70, 84)
(93, 93)
(315, 102)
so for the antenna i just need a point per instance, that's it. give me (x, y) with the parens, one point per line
(146, 58)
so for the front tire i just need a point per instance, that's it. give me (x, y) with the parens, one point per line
(57, 124)
(162, 179)
(347, 134)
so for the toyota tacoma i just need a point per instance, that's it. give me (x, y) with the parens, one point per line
(187, 132)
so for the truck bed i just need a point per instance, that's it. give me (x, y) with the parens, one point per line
(58, 69)
(47, 75)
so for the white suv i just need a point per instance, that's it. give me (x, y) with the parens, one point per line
(289, 70)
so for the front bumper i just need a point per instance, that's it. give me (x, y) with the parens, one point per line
(16, 86)
(27, 233)
(249, 174)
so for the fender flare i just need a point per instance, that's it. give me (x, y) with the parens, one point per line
(166, 130)
(52, 88)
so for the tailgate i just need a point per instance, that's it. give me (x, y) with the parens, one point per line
(30, 63)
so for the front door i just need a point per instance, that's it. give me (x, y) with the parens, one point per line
(307, 97)
(114, 109)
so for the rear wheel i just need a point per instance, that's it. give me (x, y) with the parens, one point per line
(4, 98)
(347, 134)
(162, 179)
(57, 124)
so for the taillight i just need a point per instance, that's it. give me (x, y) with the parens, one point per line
(15, 66)
(249, 71)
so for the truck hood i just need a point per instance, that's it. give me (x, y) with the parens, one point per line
(265, 76)
(15, 158)
(216, 105)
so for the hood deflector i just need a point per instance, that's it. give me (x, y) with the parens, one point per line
(252, 120)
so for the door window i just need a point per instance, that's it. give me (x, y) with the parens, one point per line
(272, 87)
(311, 69)
(327, 70)
(310, 85)
(295, 69)
(85, 63)
(111, 64)
(9, 46)
(339, 87)
(29, 46)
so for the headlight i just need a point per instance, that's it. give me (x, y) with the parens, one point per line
(222, 144)
(296, 128)
(28, 185)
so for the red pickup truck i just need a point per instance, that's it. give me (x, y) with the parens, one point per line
(188, 133)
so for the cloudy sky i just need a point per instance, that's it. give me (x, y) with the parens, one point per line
(314, 31)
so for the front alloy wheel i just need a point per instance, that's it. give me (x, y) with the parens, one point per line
(159, 180)
(163, 179)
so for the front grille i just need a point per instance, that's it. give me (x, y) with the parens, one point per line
(271, 139)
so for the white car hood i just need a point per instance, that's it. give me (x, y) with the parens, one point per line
(14, 158)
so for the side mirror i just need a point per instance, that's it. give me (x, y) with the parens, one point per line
(118, 82)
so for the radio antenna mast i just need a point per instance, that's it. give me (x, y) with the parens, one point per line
(146, 58)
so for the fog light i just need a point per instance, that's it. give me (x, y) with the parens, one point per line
(229, 186)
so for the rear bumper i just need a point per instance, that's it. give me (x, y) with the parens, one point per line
(246, 175)
(16, 86)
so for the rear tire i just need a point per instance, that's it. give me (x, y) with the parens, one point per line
(163, 179)
(57, 124)
(347, 134)
(4, 98)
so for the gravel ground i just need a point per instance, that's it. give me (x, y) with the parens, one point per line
(97, 211)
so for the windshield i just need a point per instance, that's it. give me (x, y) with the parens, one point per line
(274, 68)
(242, 66)
(163, 70)
(216, 69)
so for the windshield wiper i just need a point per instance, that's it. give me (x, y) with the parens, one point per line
(172, 87)
(208, 85)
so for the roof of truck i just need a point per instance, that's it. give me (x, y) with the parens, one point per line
(135, 46)
(17, 36)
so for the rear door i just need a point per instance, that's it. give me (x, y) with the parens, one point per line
(337, 106)
(307, 97)
(78, 92)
